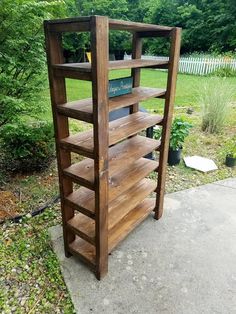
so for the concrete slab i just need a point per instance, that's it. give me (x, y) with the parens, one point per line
(183, 264)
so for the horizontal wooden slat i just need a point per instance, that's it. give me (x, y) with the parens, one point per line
(84, 250)
(138, 94)
(136, 63)
(136, 26)
(83, 198)
(79, 24)
(128, 200)
(70, 73)
(83, 226)
(129, 150)
(83, 25)
(83, 109)
(118, 209)
(79, 109)
(129, 222)
(119, 129)
(83, 70)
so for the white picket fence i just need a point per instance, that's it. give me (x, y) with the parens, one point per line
(198, 66)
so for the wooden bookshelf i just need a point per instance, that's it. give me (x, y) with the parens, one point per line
(113, 195)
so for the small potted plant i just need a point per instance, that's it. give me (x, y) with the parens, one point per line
(230, 149)
(179, 131)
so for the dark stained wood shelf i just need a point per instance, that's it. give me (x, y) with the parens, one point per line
(83, 109)
(129, 199)
(118, 209)
(113, 196)
(79, 109)
(129, 150)
(138, 94)
(119, 130)
(83, 199)
(129, 222)
(82, 24)
(84, 250)
(83, 70)
(83, 226)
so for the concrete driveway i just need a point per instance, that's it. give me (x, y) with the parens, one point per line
(184, 263)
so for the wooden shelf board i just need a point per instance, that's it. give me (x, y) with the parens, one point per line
(79, 109)
(129, 222)
(136, 26)
(138, 94)
(72, 70)
(128, 200)
(74, 25)
(83, 226)
(83, 198)
(119, 130)
(119, 208)
(129, 150)
(84, 250)
(83, 109)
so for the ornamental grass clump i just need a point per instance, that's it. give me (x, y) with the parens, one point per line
(215, 98)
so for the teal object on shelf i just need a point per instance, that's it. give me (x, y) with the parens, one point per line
(120, 86)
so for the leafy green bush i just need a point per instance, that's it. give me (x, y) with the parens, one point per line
(215, 98)
(22, 56)
(230, 148)
(27, 147)
(179, 131)
(226, 71)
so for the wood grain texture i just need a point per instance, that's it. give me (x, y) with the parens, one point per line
(85, 251)
(119, 208)
(61, 129)
(83, 109)
(135, 72)
(135, 26)
(119, 130)
(129, 150)
(73, 70)
(100, 57)
(79, 109)
(129, 222)
(168, 112)
(83, 199)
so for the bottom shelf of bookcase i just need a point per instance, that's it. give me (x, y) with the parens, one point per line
(87, 252)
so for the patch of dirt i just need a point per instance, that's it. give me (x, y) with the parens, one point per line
(8, 207)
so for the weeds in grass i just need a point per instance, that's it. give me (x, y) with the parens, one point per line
(215, 98)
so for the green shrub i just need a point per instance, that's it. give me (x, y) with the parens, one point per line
(230, 148)
(226, 71)
(215, 98)
(179, 131)
(27, 147)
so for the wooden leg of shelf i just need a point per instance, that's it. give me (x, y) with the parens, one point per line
(102, 270)
(159, 206)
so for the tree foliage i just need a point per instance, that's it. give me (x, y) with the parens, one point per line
(207, 25)
(22, 56)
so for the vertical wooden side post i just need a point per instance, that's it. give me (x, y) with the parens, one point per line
(168, 112)
(58, 96)
(135, 73)
(99, 54)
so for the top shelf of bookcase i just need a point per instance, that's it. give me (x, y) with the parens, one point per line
(83, 24)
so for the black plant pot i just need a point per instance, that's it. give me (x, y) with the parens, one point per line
(230, 161)
(174, 156)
